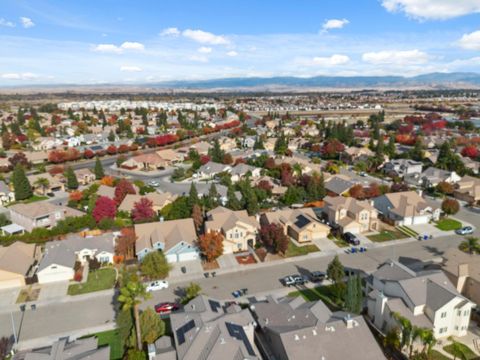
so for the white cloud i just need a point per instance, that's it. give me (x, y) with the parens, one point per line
(114, 49)
(334, 24)
(6, 23)
(171, 31)
(26, 22)
(205, 37)
(205, 50)
(232, 53)
(433, 9)
(127, 68)
(470, 41)
(407, 57)
(333, 60)
(19, 76)
(199, 58)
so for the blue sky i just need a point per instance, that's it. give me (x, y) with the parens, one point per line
(103, 41)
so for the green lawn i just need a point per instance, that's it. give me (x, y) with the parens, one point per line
(465, 350)
(111, 338)
(435, 355)
(97, 280)
(324, 293)
(294, 250)
(387, 235)
(338, 241)
(448, 224)
(32, 199)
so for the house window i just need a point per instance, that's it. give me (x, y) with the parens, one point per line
(443, 315)
(466, 313)
(459, 312)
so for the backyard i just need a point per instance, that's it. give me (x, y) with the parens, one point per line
(387, 235)
(294, 250)
(448, 224)
(324, 293)
(102, 279)
(465, 350)
(111, 338)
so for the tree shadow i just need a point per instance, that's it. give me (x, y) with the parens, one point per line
(303, 271)
(433, 250)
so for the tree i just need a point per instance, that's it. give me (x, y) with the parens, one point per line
(191, 292)
(19, 158)
(450, 206)
(72, 181)
(428, 340)
(357, 192)
(445, 188)
(211, 245)
(105, 208)
(232, 201)
(43, 183)
(470, 245)
(192, 196)
(354, 295)
(417, 152)
(155, 265)
(281, 145)
(470, 151)
(21, 185)
(216, 153)
(125, 244)
(197, 217)
(391, 149)
(98, 170)
(380, 148)
(123, 188)
(111, 136)
(273, 237)
(143, 210)
(211, 200)
(131, 296)
(151, 326)
(336, 273)
(456, 349)
(392, 339)
(258, 145)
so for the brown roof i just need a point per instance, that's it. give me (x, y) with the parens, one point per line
(152, 158)
(34, 210)
(158, 200)
(407, 203)
(223, 218)
(350, 204)
(17, 258)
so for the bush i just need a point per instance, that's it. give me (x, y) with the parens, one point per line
(78, 277)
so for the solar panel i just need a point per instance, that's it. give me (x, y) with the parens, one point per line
(237, 332)
(214, 305)
(181, 331)
(301, 221)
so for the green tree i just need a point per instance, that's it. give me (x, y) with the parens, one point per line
(98, 170)
(124, 320)
(232, 201)
(354, 295)
(456, 349)
(470, 245)
(72, 181)
(258, 145)
(406, 330)
(155, 265)
(380, 148)
(111, 136)
(336, 273)
(152, 327)
(131, 296)
(417, 152)
(211, 199)
(391, 149)
(191, 292)
(21, 185)
(42, 183)
(281, 145)
(192, 196)
(216, 153)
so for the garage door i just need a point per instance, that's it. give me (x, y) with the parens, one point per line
(14, 283)
(188, 256)
(49, 278)
(172, 258)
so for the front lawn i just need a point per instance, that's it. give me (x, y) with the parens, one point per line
(435, 355)
(387, 235)
(448, 224)
(111, 338)
(324, 293)
(102, 279)
(469, 354)
(338, 241)
(294, 250)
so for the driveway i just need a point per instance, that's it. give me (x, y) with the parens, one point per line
(53, 290)
(325, 244)
(227, 261)
(429, 229)
(192, 267)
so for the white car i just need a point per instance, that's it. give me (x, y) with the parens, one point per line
(156, 285)
(154, 183)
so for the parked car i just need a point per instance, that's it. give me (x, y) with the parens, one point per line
(294, 280)
(317, 276)
(466, 230)
(351, 238)
(363, 174)
(240, 292)
(166, 307)
(157, 285)
(154, 183)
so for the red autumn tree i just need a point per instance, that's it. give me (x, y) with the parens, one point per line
(72, 154)
(357, 192)
(112, 150)
(88, 154)
(265, 185)
(332, 148)
(126, 243)
(204, 159)
(143, 210)
(211, 245)
(56, 156)
(19, 158)
(123, 188)
(55, 170)
(373, 191)
(123, 148)
(75, 195)
(445, 188)
(227, 159)
(450, 206)
(470, 151)
(273, 237)
(105, 208)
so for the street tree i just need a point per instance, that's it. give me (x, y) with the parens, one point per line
(21, 185)
(450, 206)
(151, 326)
(72, 181)
(211, 245)
(155, 265)
(98, 170)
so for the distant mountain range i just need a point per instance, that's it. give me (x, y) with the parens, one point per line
(427, 81)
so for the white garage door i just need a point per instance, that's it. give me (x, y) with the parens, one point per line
(172, 258)
(14, 283)
(420, 220)
(188, 256)
(53, 277)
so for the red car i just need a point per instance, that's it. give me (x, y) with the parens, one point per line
(166, 307)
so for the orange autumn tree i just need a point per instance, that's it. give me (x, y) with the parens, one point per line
(211, 245)
(107, 181)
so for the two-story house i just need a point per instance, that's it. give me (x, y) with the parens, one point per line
(351, 215)
(238, 228)
(402, 167)
(468, 189)
(427, 299)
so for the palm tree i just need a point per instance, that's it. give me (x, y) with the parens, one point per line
(131, 296)
(406, 329)
(43, 183)
(428, 340)
(297, 169)
(392, 339)
(457, 350)
(470, 245)
(415, 334)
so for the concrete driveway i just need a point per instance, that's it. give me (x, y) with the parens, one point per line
(53, 290)
(192, 267)
(325, 244)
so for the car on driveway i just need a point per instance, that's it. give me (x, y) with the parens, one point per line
(156, 285)
(351, 238)
(317, 276)
(466, 230)
(166, 307)
(293, 280)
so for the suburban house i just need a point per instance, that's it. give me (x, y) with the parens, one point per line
(52, 184)
(60, 256)
(214, 330)
(351, 215)
(468, 189)
(358, 153)
(428, 299)
(63, 349)
(470, 164)
(170, 157)
(201, 148)
(85, 176)
(40, 214)
(431, 177)
(146, 162)
(159, 201)
(6, 194)
(463, 270)
(176, 238)
(338, 185)
(211, 169)
(17, 262)
(108, 191)
(241, 171)
(402, 167)
(291, 328)
(300, 224)
(238, 228)
(406, 208)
